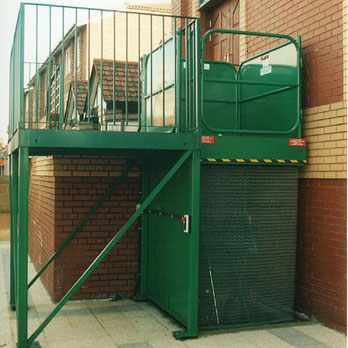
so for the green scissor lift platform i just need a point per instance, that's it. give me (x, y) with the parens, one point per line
(219, 155)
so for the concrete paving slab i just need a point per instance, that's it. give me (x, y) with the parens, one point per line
(129, 324)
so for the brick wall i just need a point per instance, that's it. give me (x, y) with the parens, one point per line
(78, 183)
(41, 217)
(320, 24)
(321, 271)
(325, 130)
(321, 261)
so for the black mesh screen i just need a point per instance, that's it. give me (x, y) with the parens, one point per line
(247, 245)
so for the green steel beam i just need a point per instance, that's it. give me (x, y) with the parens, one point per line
(82, 223)
(192, 310)
(109, 246)
(252, 147)
(22, 262)
(60, 139)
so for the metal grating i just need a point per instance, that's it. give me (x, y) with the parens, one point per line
(247, 245)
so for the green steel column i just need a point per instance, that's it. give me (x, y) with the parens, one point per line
(192, 307)
(144, 232)
(22, 266)
(12, 245)
(14, 219)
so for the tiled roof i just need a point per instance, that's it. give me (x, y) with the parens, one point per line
(154, 7)
(120, 79)
(82, 88)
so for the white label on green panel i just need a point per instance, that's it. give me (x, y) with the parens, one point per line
(266, 70)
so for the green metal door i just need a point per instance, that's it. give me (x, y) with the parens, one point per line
(167, 243)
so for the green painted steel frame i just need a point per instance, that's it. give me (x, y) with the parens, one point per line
(19, 245)
(25, 142)
(48, 141)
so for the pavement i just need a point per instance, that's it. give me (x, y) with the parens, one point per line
(129, 324)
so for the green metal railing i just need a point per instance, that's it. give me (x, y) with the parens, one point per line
(33, 62)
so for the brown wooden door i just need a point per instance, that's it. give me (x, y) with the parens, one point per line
(223, 47)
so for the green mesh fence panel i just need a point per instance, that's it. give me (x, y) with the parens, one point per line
(247, 245)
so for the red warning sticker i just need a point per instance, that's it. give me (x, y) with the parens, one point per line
(208, 139)
(297, 142)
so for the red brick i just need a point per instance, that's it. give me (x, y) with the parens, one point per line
(321, 278)
(57, 204)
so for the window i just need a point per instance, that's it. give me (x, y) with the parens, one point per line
(67, 62)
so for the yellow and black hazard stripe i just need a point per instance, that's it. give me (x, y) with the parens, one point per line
(253, 160)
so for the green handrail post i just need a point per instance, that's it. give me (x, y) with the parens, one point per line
(178, 64)
(22, 264)
(110, 245)
(82, 223)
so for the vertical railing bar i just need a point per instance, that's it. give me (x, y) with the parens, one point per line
(190, 74)
(138, 70)
(101, 69)
(61, 80)
(75, 66)
(14, 75)
(29, 101)
(10, 119)
(113, 73)
(48, 115)
(126, 67)
(88, 67)
(186, 74)
(55, 96)
(21, 66)
(151, 119)
(192, 70)
(163, 75)
(198, 75)
(175, 80)
(37, 66)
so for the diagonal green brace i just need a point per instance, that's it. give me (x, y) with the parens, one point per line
(83, 222)
(110, 245)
